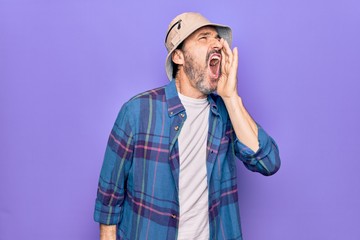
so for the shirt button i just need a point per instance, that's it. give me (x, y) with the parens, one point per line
(182, 115)
(173, 215)
(176, 128)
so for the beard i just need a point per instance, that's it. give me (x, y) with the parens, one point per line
(196, 73)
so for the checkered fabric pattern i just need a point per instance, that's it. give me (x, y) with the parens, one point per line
(139, 180)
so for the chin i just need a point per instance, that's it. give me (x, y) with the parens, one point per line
(211, 88)
(213, 83)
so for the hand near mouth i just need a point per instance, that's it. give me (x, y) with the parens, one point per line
(227, 85)
(245, 127)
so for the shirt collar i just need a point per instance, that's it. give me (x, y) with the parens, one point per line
(172, 99)
(174, 104)
(213, 106)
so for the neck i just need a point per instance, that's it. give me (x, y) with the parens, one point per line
(184, 86)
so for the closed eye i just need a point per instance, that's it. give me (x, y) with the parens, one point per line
(205, 36)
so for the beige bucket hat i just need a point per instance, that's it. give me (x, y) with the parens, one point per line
(183, 26)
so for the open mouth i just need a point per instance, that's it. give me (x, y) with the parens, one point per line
(214, 65)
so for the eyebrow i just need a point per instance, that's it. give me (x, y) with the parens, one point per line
(206, 34)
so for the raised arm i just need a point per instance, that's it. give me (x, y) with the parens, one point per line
(253, 146)
(244, 126)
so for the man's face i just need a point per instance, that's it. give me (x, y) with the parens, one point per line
(202, 59)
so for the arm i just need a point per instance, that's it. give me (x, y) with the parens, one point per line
(114, 173)
(107, 232)
(253, 145)
(244, 126)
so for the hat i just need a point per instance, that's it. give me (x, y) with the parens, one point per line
(183, 26)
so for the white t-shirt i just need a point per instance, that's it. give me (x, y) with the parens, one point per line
(193, 188)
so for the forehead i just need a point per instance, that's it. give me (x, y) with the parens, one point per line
(203, 30)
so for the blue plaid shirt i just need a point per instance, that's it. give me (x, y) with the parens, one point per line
(139, 181)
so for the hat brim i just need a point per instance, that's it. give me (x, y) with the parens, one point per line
(223, 31)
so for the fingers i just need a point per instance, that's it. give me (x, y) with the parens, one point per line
(227, 52)
(229, 58)
(223, 61)
(235, 62)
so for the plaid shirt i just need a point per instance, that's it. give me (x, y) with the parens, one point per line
(139, 180)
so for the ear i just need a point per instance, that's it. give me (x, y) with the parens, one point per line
(178, 57)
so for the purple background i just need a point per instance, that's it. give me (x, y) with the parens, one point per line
(66, 67)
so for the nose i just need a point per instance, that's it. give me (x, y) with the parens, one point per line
(217, 44)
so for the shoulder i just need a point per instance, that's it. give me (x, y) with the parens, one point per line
(152, 94)
(140, 99)
(141, 103)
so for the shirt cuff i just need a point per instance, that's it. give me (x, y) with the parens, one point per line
(108, 215)
(248, 155)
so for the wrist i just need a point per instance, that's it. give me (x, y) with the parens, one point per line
(232, 98)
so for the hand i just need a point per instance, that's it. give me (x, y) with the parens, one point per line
(227, 85)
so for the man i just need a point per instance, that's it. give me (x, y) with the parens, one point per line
(169, 170)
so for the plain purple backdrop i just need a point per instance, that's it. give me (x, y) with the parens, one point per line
(66, 67)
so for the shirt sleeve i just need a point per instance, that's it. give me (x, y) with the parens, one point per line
(114, 171)
(265, 160)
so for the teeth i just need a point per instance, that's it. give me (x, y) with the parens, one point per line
(214, 60)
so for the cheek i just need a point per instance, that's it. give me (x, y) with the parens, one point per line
(202, 54)
(199, 54)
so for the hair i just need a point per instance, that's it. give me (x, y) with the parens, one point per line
(176, 66)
